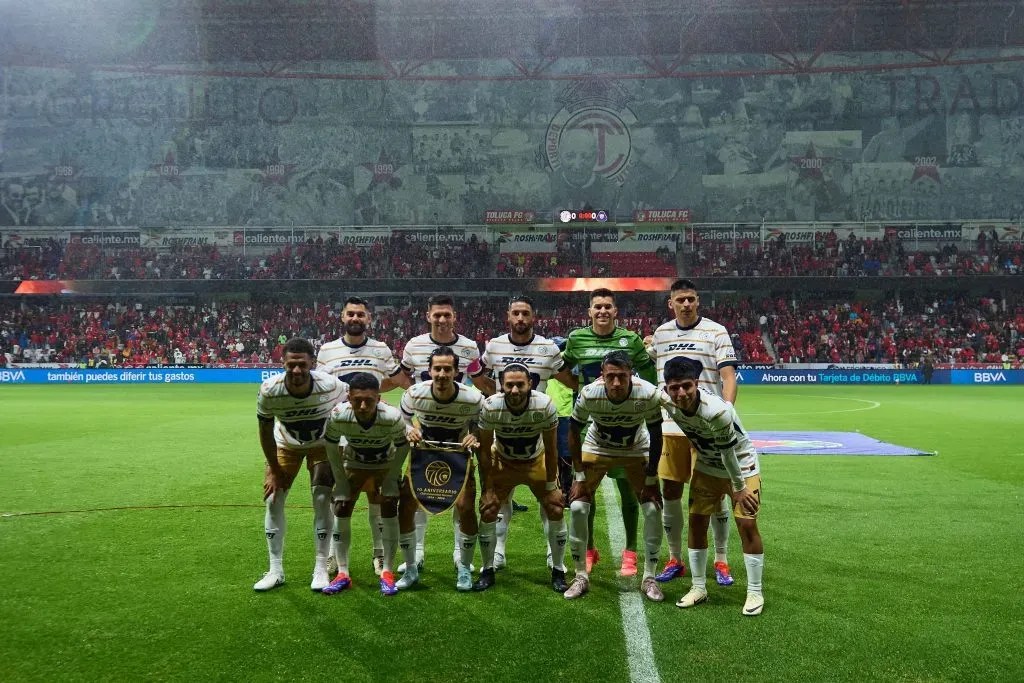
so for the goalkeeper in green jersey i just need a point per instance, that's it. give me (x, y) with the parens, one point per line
(584, 350)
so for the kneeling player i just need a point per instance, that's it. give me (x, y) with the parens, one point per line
(512, 426)
(726, 464)
(626, 415)
(374, 454)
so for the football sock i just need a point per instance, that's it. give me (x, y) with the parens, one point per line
(421, 531)
(630, 511)
(755, 567)
(556, 541)
(342, 542)
(591, 516)
(672, 517)
(487, 543)
(578, 528)
(720, 531)
(652, 538)
(699, 566)
(389, 541)
(457, 529)
(501, 529)
(467, 550)
(274, 527)
(407, 542)
(546, 524)
(375, 529)
(323, 519)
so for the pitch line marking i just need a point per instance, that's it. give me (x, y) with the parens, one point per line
(639, 650)
(871, 406)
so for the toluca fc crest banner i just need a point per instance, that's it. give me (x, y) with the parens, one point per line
(437, 475)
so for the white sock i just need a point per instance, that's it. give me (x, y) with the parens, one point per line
(720, 531)
(579, 529)
(323, 519)
(376, 530)
(672, 518)
(421, 532)
(699, 566)
(755, 567)
(652, 538)
(407, 542)
(467, 550)
(457, 529)
(342, 542)
(274, 527)
(546, 524)
(389, 541)
(501, 528)
(486, 537)
(556, 541)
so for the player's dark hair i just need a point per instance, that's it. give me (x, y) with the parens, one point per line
(515, 367)
(357, 301)
(619, 359)
(363, 380)
(299, 345)
(602, 292)
(440, 300)
(522, 298)
(441, 352)
(682, 368)
(682, 284)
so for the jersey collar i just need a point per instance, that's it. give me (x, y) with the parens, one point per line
(366, 339)
(615, 328)
(441, 343)
(525, 343)
(689, 327)
(447, 401)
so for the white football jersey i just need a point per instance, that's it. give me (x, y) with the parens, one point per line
(705, 341)
(416, 357)
(713, 431)
(442, 420)
(518, 437)
(300, 421)
(342, 360)
(619, 429)
(370, 446)
(540, 355)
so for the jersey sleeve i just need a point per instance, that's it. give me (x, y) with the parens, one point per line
(398, 434)
(652, 410)
(725, 354)
(569, 354)
(557, 361)
(642, 363)
(483, 365)
(580, 413)
(333, 431)
(406, 407)
(487, 419)
(388, 362)
(550, 416)
(407, 364)
(262, 411)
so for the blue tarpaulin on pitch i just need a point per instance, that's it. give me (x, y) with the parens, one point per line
(826, 443)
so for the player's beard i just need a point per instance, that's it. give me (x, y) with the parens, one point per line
(516, 403)
(522, 329)
(355, 328)
(296, 381)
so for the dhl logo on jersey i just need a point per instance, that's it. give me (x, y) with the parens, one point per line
(299, 412)
(510, 429)
(525, 360)
(616, 419)
(441, 419)
(353, 363)
(681, 346)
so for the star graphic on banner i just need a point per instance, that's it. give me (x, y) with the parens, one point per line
(169, 170)
(383, 171)
(65, 171)
(276, 172)
(926, 171)
(810, 164)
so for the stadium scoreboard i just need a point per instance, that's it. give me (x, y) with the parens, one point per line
(568, 216)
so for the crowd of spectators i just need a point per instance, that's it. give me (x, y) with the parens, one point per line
(401, 256)
(139, 333)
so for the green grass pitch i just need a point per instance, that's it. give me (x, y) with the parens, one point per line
(877, 568)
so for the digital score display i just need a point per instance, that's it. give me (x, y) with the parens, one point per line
(567, 216)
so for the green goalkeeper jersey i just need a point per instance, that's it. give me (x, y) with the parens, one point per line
(584, 350)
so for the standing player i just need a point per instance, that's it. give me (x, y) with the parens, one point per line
(416, 362)
(356, 352)
(517, 446)
(544, 361)
(727, 464)
(584, 349)
(626, 416)
(375, 449)
(694, 336)
(293, 409)
(446, 411)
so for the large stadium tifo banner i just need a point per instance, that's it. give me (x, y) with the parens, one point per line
(861, 138)
(157, 375)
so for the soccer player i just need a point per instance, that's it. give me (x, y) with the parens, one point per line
(517, 446)
(625, 412)
(692, 335)
(416, 362)
(356, 352)
(292, 409)
(374, 453)
(584, 349)
(446, 411)
(541, 355)
(727, 464)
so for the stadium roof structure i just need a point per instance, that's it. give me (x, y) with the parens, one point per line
(399, 39)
